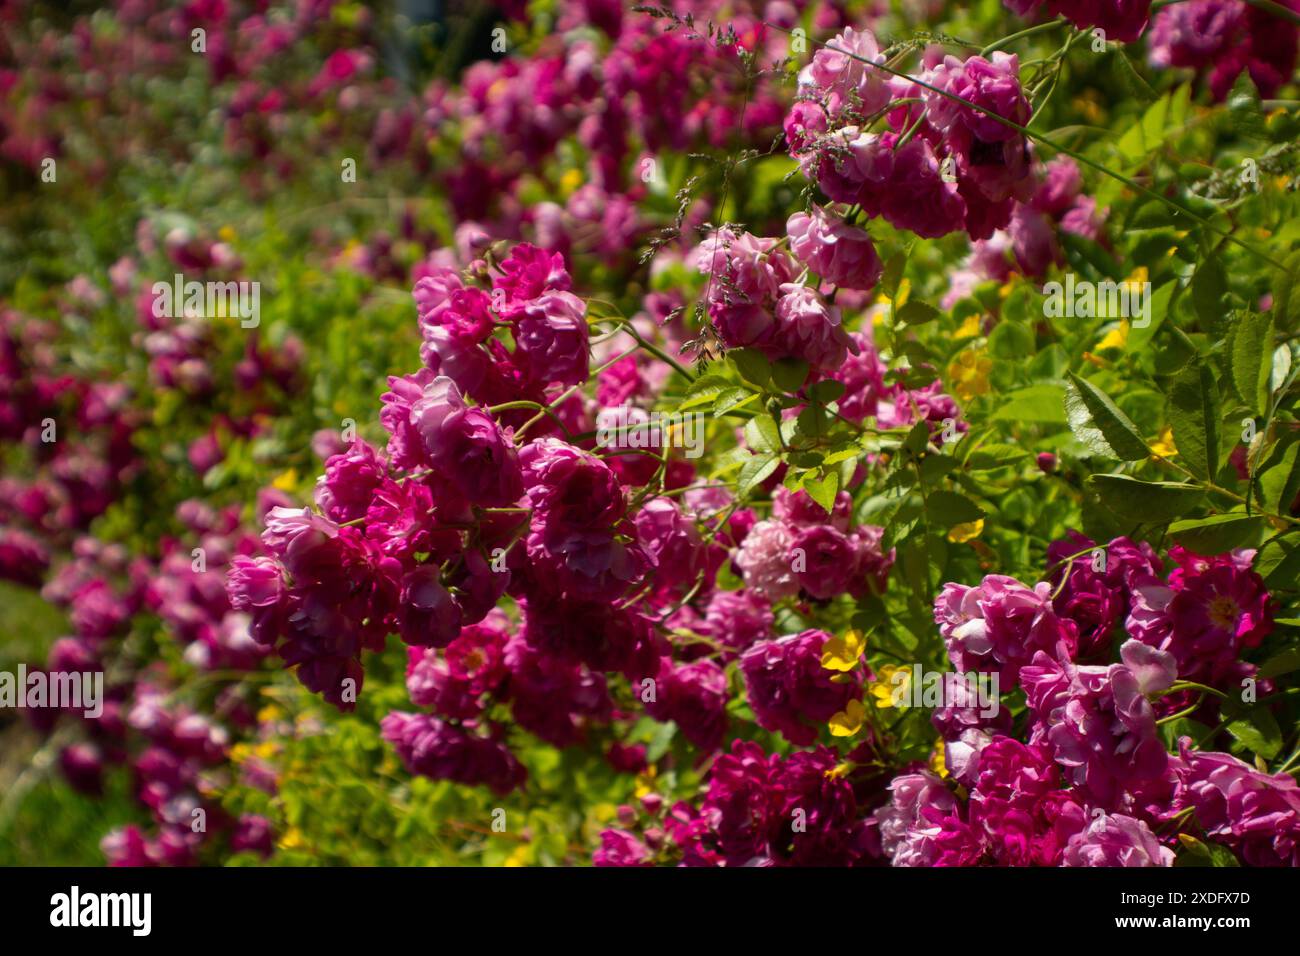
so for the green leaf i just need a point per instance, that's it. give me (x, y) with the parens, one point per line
(1194, 413)
(1134, 85)
(1099, 424)
(1037, 403)
(1216, 534)
(993, 455)
(1279, 485)
(826, 391)
(762, 434)
(1254, 726)
(947, 508)
(1197, 853)
(893, 273)
(730, 399)
(752, 365)
(917, 313)
(789, 374)
(824, 491)
(1144, 502)
(1140, 336)
(1011, 340)
(1286, 662)
(704, 390)
(1245, 111)
(1278, 563)
(1286, 293)
(754, 472)
(1208, 287)
(1147, 134)
(1252, 359)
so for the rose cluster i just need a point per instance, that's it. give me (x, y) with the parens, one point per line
(948, 157)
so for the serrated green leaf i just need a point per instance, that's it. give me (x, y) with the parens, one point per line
(1099, 424)
(752, 365)
(762, 434)
(1194, 413)
(1144, 502)
(1286, 294)
(789, 374)
(824, 490)
(947, 508)
(1216, 534)
(731, 399)
(917, 313)
(1280, 483)
(1252, 359)
(1208, 287)
(1255, 726)
(754, 472)
(704, 390)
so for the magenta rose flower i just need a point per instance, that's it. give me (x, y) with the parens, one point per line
(1114, 839)
(840, 254)
(551, 341)
(788, 688)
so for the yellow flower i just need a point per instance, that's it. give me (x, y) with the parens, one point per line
(839, 770)
(292, 839)
(969, 373)
(842, 653)
(969, 328)
(226, 234)
(519, 857)
(849, 720)
(570, 181)
(900, 300)
(1164, 445)
(1116, 338)
(937, 762)
(286, 480)
(269, 713)
(645, 782)
(966, 531)
(888, 684)
(266, 749)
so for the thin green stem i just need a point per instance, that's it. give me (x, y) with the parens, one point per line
(1027, 32)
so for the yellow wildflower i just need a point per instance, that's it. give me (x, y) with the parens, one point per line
(969, 328)
(840, 770)
(645, 782)
(518, 857)
(1164, 445)
(937, 762)
(842, 653)
(889, 684)
(848, 721)
(966, 531)
(570, 181)
(969, 373)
